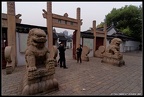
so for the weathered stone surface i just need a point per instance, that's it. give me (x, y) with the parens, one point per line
(39, 67)
(8, 54)
(55, 54)
(85, 52)
(112, 54)
(9, 58)
(9, 69)
(101, 48)
(100, 51)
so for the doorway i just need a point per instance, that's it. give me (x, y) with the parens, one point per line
(99, 42)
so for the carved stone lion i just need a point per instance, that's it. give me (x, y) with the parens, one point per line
(54, 54)
(85, 52)
(99, 52)
(112, 53)
(36, 50)
(40, 68)
(114, 49)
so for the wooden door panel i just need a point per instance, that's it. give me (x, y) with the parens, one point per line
(99, 42)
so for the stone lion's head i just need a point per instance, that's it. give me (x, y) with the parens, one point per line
(116, 42)
(36, 37)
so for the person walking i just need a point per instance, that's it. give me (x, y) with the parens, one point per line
(62, 49)
(79, 52)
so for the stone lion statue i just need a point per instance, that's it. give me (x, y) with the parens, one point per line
(99, 52)
(114, 49)
(40, 69)
(36, 50)
(85, 52)
(112, 53)
(55, 54)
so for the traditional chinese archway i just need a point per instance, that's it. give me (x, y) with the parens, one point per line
(99, 36)
(54, 20)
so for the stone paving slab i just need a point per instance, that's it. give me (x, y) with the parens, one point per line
(88, 78)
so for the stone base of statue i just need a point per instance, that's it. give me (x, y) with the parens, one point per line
(9, 69)
(114, 60)
(39, 81)
(85, 58)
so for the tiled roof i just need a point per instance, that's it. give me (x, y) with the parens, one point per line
(87, 34)
(61, 36)
(24, 28)
(108, 28)
(120, 35)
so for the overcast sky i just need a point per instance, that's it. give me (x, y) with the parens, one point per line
(32, 11)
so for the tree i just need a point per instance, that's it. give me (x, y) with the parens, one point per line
(100, 25)
(128, 20)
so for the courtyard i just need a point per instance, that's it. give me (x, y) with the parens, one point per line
(87, 78)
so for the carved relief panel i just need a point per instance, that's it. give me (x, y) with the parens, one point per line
(11, 8)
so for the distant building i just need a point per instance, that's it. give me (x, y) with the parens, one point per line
(65, 32)
(128, 43)
(62, 38)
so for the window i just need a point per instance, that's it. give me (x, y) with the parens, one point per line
(71, 23)
(59, 21)
(65, 22)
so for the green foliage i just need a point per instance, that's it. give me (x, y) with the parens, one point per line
(100, 25)
(127, 19)
(126, 31)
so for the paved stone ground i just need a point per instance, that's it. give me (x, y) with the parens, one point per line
(88, 78)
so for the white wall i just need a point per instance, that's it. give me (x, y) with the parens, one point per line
(20, 56)
(107, 43)
(131, 45)
(19, 42)
(68, 44)
(122, 47)
(127, 45)
(89, 43)
(81, 41)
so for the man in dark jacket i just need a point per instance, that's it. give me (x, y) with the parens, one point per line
(62, 49)
(79, 52)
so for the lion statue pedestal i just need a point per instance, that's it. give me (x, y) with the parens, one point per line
(112, 54)
(40, 69)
